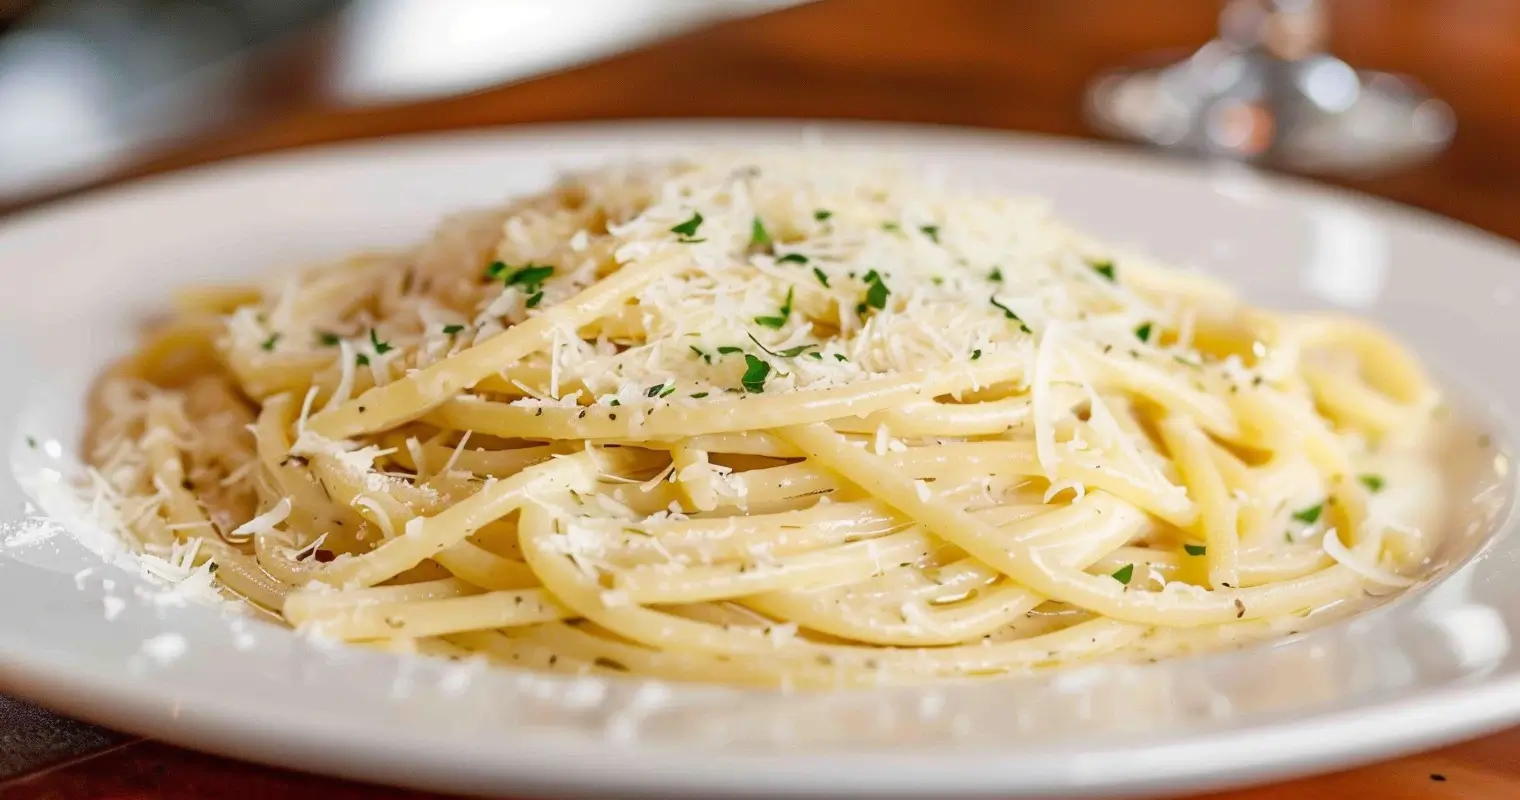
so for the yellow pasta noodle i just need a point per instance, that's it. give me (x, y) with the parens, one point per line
(768, 418)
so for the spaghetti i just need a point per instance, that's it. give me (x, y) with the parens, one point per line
(771, 418)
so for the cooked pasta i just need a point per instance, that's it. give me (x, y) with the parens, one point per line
(790, 419)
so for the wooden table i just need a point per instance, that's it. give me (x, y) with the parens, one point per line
(1014, 64)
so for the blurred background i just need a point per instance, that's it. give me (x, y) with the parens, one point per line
(95, 91)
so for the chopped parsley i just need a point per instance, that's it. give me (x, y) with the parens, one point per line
(822, 278)
(654, 391)
(615, 402)
(496, 269)
(1195, 549)
(535, 299)
(975, 354)
(268, 344)
(778, 321)
(790, 352)
(530, 277)
(840, 357)
(891, 227)
(1008, 313)
(1143, 333)
(328, 338)
(686, 231)
(758, 235)
(1104, 268)
(755, 373)
(669, 390)
(729, 349)
(31, 441)
(452, 329)
(380, 347)
(1309, 515)
(699, 395)
(822, 214)
(816, 356)
(702, 355)
(1124, 573)
(1374, 483)
(876, 293)
(1187, 362)
(996, 276)
(792, 258)
(931, 231)
(362, 360)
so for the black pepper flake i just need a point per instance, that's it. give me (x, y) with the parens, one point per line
(1240, 608)
(538, 413)
(1438, 777)
(581, 415)
(612, 417)
(362, 409)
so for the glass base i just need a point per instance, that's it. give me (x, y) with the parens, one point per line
(1312, 115)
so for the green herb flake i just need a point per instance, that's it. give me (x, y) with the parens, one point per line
(688, 229)
(530, 276)
(1104, 268)
(876, 291)
(755, 373)
(1195, 549)
(452, 329)
(1124, 574)
(31, 441)
(822, 278)
(496, 269)
(362, 360)
(778, 321)
(328, 338)
(1309, 515)
(729, 349)
(668, 391)
(615, 402)
(996, 276)
(1008, 313)
(1374, 483)
(822, 214)
(380, 347)
(931, 231)
(702, 355)
(758, 235)
(891, 227)
(840, 357)
(535, 299)
(792, 258)
(815, 355)
(699, 395)
(1143, 333)
(976, 354)
(268, 344)
(793, 352)
(654, 390)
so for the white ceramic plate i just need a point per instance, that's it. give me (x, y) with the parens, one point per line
(1436, 665)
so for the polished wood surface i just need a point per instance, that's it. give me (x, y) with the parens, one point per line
(1010, 64)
